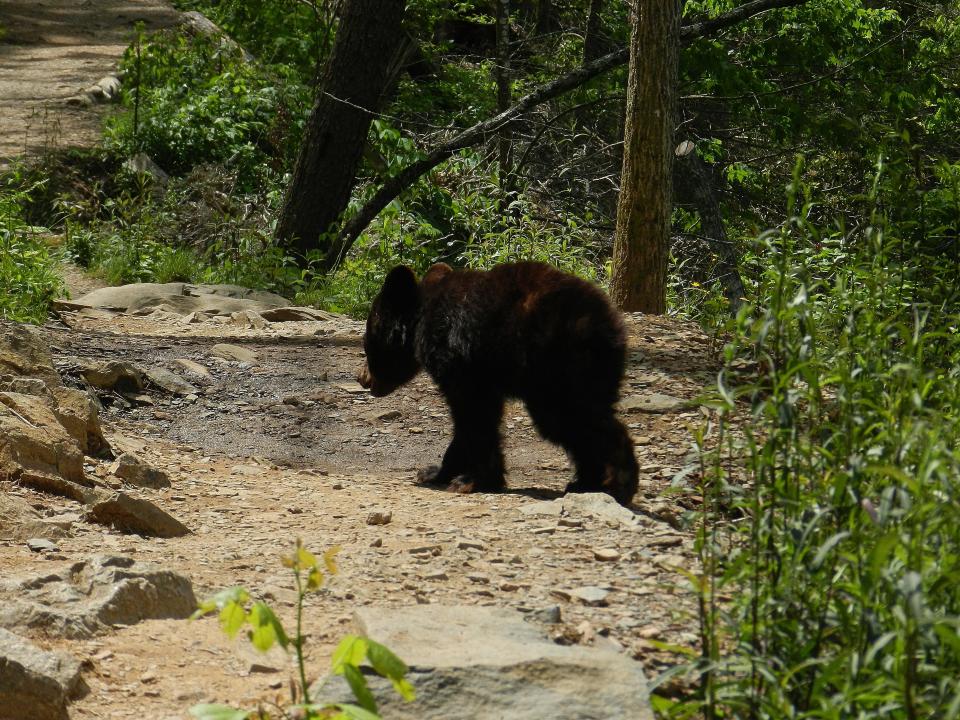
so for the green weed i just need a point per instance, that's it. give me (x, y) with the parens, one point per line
(236, 611)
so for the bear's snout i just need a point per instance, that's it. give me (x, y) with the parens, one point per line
(376, 387)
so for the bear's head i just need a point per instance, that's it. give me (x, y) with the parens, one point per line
(389, 340)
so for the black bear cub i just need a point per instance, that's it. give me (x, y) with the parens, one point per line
(523, 330)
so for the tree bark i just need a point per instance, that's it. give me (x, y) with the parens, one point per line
(478, 133)
(348, 95)
(696, 183)
(642, 237)
(503, 91)
(592, 40)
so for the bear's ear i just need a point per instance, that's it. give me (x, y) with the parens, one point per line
(400, 288)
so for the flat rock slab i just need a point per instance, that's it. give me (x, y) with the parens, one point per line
(227, 351)
(594, 505)
(179, 298)
(654, 403)
(130, 514)
(478, 663)
(92, 596)
(34, 683)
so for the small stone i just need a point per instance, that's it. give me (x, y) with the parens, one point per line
(438, 575)
(465, 544)
(545, 530)
(42, 545)
(236, 353)
(354, 388)
(259, 667)
(507, 586)
(591, 595)
(246, 470)
(586, 632)
(478, 578)
(377, 543)
(379, 517)
(426, 550)
(648, 632)
(570, 522)
(606, 555)
(642, 440)
(148, 677)
(194, 369)
(416, 430)
(653, 403)
(549, 615)
(388, 415)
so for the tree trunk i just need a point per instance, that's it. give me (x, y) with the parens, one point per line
(695, 181)
(641, 240)
(592, 39)
(503, 91)
(348, 95)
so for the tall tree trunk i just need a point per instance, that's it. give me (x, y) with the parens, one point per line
(592, 39)
(503, 92)
(695, 181)
(639, 281)
(349, 92)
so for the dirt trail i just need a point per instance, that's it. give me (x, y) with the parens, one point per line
(289, 448)
(51, 51)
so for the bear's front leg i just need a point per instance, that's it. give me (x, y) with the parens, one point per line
(474, 460)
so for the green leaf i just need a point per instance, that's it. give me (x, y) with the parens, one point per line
(314, 579)
(386, 663)
(219, 601)
(353, 712)
(267, 628)
(206, 711)
(232, 617)
(329, 558)
(358, 684)
(352, 650)
(305, 558)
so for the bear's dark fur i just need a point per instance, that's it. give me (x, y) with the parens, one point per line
(522, 330)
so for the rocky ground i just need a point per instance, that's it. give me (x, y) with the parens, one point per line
(279, 442)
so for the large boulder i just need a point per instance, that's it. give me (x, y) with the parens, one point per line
(36, 684)
(133, 515)
(479, 663)
(90, 597)
(24, 353)
(35, 448)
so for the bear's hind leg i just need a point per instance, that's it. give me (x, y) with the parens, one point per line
(597, 443)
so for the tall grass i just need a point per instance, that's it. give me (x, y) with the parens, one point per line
(830, 533)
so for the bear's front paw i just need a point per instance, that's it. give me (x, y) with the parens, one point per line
(431, 475)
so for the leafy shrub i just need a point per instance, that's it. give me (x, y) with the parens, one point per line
(829, 536)
(192, 100)
(28, 277)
